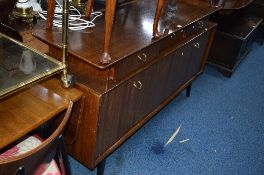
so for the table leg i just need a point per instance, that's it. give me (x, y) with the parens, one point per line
(109, 17)
(157, 17)
(89, 8)
(50, 14)
(100, 168)
(188, 90)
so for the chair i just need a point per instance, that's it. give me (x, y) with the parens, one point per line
(37, 160)
(109, 17)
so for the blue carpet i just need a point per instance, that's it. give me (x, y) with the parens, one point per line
(222, 122)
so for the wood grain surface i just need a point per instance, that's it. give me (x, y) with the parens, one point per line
(34, 106)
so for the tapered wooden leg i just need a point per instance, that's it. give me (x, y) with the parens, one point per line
(89, 8)
(157, 17)
(188, 90)
(226, 73)
(100, 168)
(109, 17)
(50, 14)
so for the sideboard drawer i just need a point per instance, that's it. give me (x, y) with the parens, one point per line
(133, 62)
(196, 27)
(185, 34)
(171, 40)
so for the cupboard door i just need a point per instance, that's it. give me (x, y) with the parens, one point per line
(197, 50)
(124, 106)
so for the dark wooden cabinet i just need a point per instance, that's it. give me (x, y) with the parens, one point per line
(235, 37)
(237, 30)
(145, 73)
(129, 103)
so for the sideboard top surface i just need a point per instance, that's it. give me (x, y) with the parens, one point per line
(132, 30)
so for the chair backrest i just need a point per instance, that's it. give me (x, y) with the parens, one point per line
(28, 163)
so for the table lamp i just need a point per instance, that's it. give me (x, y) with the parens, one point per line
(23, 11)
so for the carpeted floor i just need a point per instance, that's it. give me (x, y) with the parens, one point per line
(219, 129)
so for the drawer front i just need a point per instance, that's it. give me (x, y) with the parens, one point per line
(178, 37)
(133, 62)
(196, 27)
(171, 40)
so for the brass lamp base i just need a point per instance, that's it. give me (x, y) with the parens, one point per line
(80, 5)
(67, 80)
(26, 15)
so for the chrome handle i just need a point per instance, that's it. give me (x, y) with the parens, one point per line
(197, 45)
(143, 57)
(138, 85)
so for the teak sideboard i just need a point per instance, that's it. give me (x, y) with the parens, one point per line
(144, 75)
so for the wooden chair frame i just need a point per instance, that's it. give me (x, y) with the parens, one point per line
(53, 147)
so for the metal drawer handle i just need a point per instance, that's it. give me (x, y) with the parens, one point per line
(197, 45)
(200, 24)
(143, 57)
(138, 85)
(173, 35)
